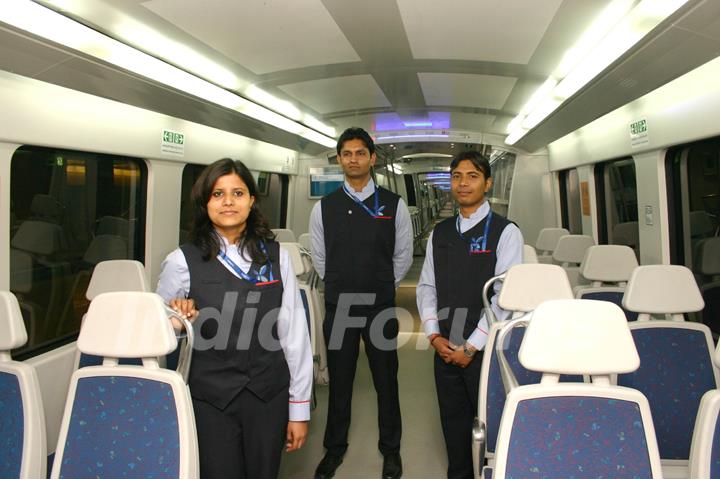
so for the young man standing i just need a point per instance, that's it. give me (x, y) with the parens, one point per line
(463, 253)
(361, 240)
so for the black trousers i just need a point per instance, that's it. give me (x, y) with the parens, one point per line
(243, 441)
(457, 391)
(343, 349)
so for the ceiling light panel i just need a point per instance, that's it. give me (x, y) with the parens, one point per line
(329, 95)
(473, 29)
(466, 90)
(301, 33)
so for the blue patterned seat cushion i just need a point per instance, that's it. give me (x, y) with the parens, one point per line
(11, 426)
(122, 427)
(614, 297)
(675, 371)
(577, 437)
(496, 390)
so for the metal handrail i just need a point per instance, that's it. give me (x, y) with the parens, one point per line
(508, 377)
(486, 302)
(186, 347)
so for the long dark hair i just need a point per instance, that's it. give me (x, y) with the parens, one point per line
(202, 232)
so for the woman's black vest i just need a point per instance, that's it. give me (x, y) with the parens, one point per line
(359, 248)
(236, 340)
(461, 275)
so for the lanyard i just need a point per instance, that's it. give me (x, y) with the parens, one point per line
(259, 278)
(475, 247)
(377, 214)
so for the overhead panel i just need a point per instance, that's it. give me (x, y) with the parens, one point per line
(486, 30)
(338, 94)
(263, 36)
(465, 90)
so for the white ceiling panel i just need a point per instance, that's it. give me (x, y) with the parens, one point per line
(465, 90)
(262, 35)
(484, 30)
(471, 121)
(338, 94)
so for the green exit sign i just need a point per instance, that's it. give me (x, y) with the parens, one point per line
(173, 137)
(638, 127)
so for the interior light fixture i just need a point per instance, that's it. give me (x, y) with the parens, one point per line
(617, 29)
(46, 23)
(429, 135)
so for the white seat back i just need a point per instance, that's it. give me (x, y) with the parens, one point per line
(117, 275)
(668, 290)
(547, 241)
(705, 449)
(24, 451)
(123, 408)
(529, 254)
(284, 235)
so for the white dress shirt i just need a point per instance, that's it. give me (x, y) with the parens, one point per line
(403, 252)
(508, 253)
(174, 282)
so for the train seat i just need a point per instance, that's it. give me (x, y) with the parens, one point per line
(627, 234)
(705, 449)
(108, 277)
(284, 235)
(313, 309)
(21, 282)
(609, 268)
(708, 260)
(22, 420)
(529, 255)
(569, 253)
(119, 420)
(676, 366)
(555, 429)
(546, 241)
(524, 287)
(304, 241)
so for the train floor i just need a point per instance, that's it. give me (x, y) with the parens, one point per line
(423, 448)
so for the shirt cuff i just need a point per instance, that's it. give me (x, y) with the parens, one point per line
(479, 337)
(299, 411)
(431, 326)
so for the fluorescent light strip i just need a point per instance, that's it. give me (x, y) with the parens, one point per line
(613, 33)
(46, 23)
(393, 137)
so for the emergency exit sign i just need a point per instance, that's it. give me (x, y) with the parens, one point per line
(639, 133)
(173, 143)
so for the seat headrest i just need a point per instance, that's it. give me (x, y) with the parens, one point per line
(304, 241)
(608, 263)
(46, 208)
(709, 256)
(105, 248)
(298, 264)
(127, 325)
(117, 275)
(113, 225)
(548, 238)
(626, 233)
(21, 271)
(579, 336)
(529, 254)
(527, 285)
(39, 237)
(284, 235)
(571, 248)
(662, 289)
(12, 328)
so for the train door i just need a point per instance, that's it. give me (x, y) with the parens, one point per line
(617, 204)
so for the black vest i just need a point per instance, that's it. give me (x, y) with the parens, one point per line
(359, 248)
(229, 354)
(460, 275)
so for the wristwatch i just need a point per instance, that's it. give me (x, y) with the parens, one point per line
(469, 350)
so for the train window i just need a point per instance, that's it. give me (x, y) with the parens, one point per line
(502, 168)
(616, 188)
(70, 210)
(272, 198)
(693, 173)
(570, 201)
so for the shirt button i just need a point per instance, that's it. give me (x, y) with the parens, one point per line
(349, 212)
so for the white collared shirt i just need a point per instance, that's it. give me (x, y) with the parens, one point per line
(403, 252)
(174, 282)
(509, 253)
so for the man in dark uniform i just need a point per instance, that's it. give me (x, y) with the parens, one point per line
(361, 239)
(462, 254)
